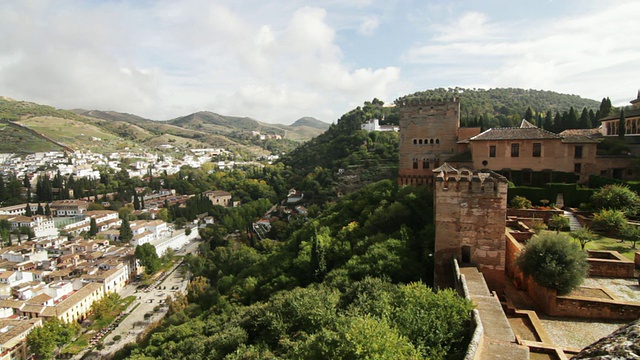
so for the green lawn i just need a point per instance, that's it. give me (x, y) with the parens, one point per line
(607, 243)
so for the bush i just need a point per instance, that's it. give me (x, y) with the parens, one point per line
(554, 261)
(520, 202)
(609, 221)
(559, 222)
(616, 197)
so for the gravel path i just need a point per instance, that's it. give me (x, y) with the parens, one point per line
(574, 333)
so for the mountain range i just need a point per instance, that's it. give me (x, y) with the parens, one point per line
(30, 127)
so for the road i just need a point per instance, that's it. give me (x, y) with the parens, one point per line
(146, 301)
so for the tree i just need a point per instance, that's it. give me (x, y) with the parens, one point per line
(528, 115)
(630, 233)
(27, 210)
(93, 227)
(583, 236)
(43, 341)
(125, 231)
(40, 210)
(585, 121)
(622, 125)
(609, 221)
(554, 262)
(47, 210)
(148, 257)
(616, 197)
(605, 108)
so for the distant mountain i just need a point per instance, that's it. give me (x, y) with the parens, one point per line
(108, 131)
(312, 123)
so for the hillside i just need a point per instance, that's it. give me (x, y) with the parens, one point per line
(311, 122)
(107, 131)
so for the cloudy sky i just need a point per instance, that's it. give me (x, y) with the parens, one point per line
(277, 61)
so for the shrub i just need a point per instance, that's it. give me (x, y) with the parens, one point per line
(537, 226)
(630, 233)
(520, 202)
(616, 197)
(554, 261)
(558, 222)
(609, 221)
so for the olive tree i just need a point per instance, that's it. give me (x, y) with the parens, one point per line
(554, 261)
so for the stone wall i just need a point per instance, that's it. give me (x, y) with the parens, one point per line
(595, 308)
(610, 264)
(533, 213)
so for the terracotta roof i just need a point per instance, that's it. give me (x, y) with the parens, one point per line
(578, 139)
(627, 114)
(582, 132)
(516, 133)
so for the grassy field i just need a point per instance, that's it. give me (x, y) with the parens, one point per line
(15, 140)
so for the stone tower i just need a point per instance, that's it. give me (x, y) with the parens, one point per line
(470, 213)
(428, 136)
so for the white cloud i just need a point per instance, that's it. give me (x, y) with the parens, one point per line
(368, 26)
(564, 54)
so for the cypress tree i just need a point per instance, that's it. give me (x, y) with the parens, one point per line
(27, 210)
(125, 231)
(47, 210)
(548, 121)
(622, 125)
(136, 201)
(594, 119)
(585, 122)
(40, 210)
(93, 227)
(528, 115)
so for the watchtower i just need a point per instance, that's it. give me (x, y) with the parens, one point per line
(470, 222)
(428, 136)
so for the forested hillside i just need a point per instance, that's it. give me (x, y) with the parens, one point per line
(348, 283)
(344, 157)
(508, 106)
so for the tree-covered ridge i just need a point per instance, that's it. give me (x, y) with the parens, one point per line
(348, 283)
(319, 164)
(502, 106)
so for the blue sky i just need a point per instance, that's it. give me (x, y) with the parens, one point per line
(277, 61)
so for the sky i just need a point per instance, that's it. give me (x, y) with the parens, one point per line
(278, 61)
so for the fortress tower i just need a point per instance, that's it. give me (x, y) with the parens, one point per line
(428, 136)
(470, 223)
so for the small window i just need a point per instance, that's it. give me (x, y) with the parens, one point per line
(537, 149)
(425, 164)
(577, 168)
(415, 141)
(578, 152)
(431, 141)
(515, 150)
(420, 141)
(492, 151)
(415, 163)
(437, 141)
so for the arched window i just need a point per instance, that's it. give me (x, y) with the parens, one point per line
(420, 141)
(437, 141)
(431, 141)
(415, 141)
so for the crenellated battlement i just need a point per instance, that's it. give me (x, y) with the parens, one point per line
(449, 178)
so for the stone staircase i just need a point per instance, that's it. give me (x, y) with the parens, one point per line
(574, 224)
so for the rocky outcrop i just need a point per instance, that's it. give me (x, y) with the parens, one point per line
(624, 343)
